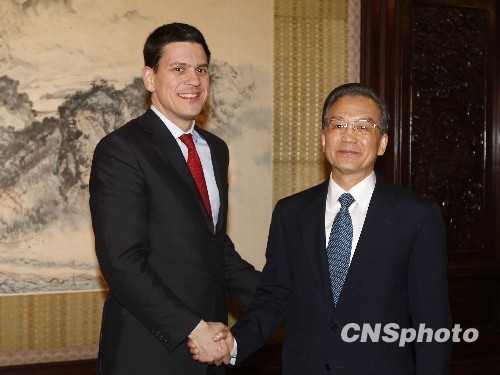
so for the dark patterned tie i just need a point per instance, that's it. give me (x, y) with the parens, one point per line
(194, 164)
(339, 246)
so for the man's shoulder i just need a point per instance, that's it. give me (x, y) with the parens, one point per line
(307, 195)
(217, 145)
(131, 130)
(209, 136)
(401, 195)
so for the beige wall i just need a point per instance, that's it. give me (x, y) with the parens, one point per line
(316, 49)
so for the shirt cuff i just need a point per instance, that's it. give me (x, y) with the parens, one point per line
(195, 327)
(234, 353)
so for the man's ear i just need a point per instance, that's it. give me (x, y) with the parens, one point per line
(382, 144)
(148, 78)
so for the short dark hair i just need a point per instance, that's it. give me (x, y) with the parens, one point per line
(170, 33)
(356, 89)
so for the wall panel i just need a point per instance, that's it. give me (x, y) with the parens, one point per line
(436, 63)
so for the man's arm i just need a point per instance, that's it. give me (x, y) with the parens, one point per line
(428, 293)
(271, 301)
(241, 279)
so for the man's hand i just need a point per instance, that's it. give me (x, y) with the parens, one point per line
(224, 336)
(227, 336)
(204, 348)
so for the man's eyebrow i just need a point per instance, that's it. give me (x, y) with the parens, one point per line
(365, 118)
(177, 63)
(356, 119)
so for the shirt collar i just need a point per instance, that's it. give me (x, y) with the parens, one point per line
(174, 129)
(361, 192)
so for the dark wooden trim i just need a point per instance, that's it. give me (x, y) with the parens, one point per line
(380, 55)
(83, 367)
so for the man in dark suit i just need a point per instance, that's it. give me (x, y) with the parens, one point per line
(158, 198)
(354, 251)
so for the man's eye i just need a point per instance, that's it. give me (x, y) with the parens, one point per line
(202, 70)
(177, 69)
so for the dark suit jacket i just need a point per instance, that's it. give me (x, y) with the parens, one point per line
(397, 275)
(156, 247)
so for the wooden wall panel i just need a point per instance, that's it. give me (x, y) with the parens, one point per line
(436, 63)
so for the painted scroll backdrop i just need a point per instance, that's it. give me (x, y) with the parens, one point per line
(69, 74)
(44, 219)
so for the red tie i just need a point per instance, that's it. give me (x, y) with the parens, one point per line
(194, 165)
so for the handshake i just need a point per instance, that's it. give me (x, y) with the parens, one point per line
(212, 343)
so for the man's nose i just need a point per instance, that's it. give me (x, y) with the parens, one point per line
(193, 79)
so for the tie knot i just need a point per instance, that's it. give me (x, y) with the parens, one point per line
(187, 139)
(346, 200)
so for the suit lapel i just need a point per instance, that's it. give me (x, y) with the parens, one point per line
(377, 224)
(170, 153)
(312, 230)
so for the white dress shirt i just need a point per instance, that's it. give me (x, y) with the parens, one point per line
(205, 157)
(362, 194)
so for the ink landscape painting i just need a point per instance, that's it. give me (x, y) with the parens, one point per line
(66, 84)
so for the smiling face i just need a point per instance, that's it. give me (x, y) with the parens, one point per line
(179, 87)
(351, 155)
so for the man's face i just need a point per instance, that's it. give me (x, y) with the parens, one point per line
(353, 155)
(179, 87)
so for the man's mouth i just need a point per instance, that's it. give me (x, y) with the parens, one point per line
(189, 96)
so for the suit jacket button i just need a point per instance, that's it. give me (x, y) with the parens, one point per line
(327, 366)
(335, 328)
